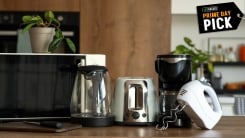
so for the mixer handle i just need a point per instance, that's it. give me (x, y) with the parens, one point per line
(215, 101)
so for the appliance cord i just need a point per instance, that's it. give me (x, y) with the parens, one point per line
(173, 114)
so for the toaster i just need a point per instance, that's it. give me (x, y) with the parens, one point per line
(134, 101)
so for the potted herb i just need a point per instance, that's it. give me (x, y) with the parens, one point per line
(50, 34)
(199, 56)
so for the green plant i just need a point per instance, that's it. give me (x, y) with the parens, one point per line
(48, 20)
(198, 56)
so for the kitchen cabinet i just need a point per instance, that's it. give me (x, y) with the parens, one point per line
(40, 5)
(130, 32)
(189, 6)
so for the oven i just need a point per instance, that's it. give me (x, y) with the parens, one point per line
(12, 40)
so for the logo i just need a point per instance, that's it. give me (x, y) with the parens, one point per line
(218, 17)
(182, 92)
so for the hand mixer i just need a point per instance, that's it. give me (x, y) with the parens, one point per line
(192, 99)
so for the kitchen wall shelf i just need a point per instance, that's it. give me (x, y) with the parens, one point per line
(230, 92)
(229, 63)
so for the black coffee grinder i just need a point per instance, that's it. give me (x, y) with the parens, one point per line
(173, 72)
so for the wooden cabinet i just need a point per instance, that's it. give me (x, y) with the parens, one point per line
(130, 32)
(40, 5)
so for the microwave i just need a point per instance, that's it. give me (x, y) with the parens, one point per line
(39, 86)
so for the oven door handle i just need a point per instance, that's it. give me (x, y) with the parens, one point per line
(68, 33)
(8, 33)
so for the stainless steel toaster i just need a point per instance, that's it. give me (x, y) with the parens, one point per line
(135, 101)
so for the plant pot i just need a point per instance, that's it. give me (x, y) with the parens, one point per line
(40, 38)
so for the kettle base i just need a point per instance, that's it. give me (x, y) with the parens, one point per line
(135, 123)
(93, 121)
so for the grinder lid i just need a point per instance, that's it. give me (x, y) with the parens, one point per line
(173, 58)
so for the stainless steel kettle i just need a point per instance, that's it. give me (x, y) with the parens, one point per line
(90, 103)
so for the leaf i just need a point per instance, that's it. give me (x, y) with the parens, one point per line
(28, 27)
(188, 42)
(57, 22)
(54, 44)
(37, 18)
(26, 19)
(210, 67)
(49, 16)
(198, 56)
(180, 49)
(58, 33)
(71, 45)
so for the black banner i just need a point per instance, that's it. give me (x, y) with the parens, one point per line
(218, 17)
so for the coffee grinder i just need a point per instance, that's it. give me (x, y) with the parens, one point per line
(173, 72)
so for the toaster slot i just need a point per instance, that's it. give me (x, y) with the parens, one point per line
(135, 99)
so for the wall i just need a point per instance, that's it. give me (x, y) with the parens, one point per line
(186, 25)
(184, 22)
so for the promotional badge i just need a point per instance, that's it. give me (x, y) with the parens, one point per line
(218, 17)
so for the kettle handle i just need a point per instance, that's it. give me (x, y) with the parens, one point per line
(210, 91)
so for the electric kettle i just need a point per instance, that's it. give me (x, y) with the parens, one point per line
(90, 103)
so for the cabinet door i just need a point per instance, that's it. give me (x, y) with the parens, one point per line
(130, 32)
(40, 5)
(189, 6)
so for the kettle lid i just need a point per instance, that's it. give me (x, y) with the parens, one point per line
(92, 68)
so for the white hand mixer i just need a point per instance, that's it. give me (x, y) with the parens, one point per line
(192, 100)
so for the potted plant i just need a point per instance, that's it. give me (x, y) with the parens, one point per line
(199, 56)
(48, 28)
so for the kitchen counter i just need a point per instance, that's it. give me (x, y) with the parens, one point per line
(227, 127)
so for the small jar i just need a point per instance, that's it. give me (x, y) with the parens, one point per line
(220, 53)
(230, 55)
(242, 53)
